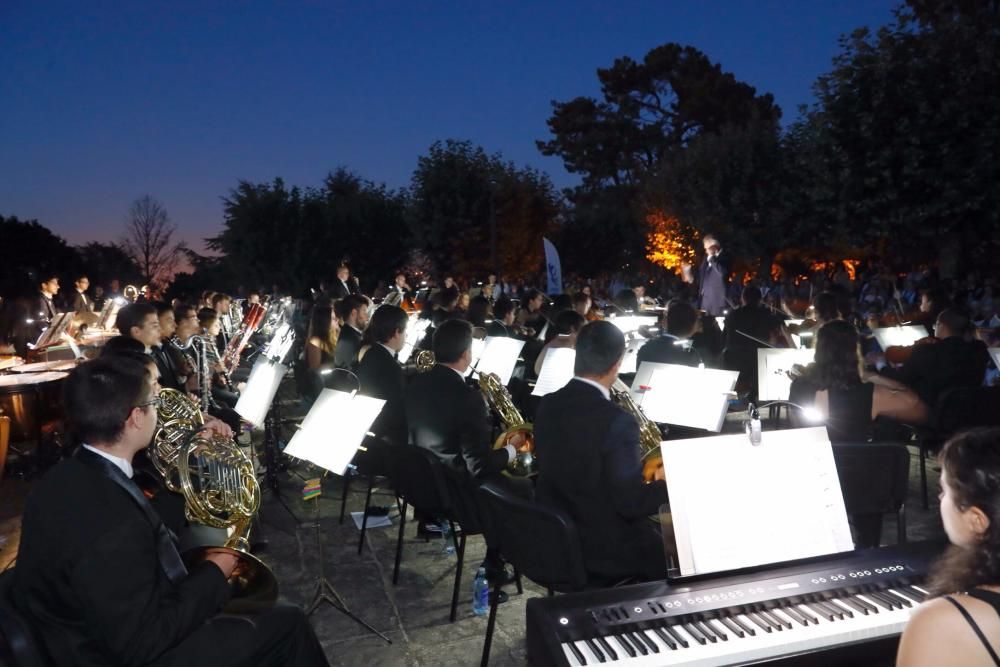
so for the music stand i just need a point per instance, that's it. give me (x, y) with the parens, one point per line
(901, 335)
(416, 329)
(773, 365)
(631, 355)
(683, 395)
(499, 357)
(557, 370)
(53, 332)
(347, 416)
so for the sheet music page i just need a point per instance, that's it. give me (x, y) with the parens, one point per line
(334, 429)
(557, 370)
(500, 357)
(416, 329)
(256, 398)
(631, 354)
(773, 365)
(683, 395)
(905, 335)
(478, 347)
(995, 353)
(735, 505)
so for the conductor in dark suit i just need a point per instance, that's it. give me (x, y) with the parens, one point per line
(589, 449)
(380, 374)
(713, 277)
(98, 575)
(353, 311)
(677, 325)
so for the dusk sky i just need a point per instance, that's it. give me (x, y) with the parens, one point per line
(101, 103)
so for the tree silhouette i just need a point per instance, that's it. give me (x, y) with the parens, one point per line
(149, 240)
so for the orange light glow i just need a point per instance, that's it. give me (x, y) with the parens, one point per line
(851, 266)
(668, 242)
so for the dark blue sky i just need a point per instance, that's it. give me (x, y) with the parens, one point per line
(102, 102)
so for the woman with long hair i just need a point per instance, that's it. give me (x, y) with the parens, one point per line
(960, 625)
(321, 341)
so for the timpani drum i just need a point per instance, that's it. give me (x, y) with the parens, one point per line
(31, 400)
(45, 366)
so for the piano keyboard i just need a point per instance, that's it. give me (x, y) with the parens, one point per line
(854, 599)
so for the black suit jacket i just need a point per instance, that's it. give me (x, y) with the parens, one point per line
(662, 350)
(498, 329)
(450, 418)
(89, 579)
(949, 363)
(339, 290)
(348, 344)
(381, 376)
(81, 304)
(168, 363)
(43, 310)
(588, 455)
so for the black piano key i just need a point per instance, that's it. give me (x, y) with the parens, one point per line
(759, 621)
(898, 598)
(866, 604)
(714, 626)
(883, 601)
(707, 631)
(794, 613)
(625, 644)
(920, 595)
(695, 632)
(909, 592)
(805, 612)
(576, 653)
(636, 642)
(641, 634)
(606, 647)
(771, 618)
(668, 639)
(733, 627)
(837, 604)
(743, 626)
(857, 604)
(676, 635)
(593, 647)
(825, 611)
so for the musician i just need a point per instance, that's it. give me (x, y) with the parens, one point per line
(530, 317)
(451, 419)
(223, 391)
(381, 376)
(170, 365)
(641, 299)
(324, 330)
(344, 285)
(220, 304)
(45, 309)
(713, 277)
(353, 312)
(677, 324)
(81, 303)
(591, 469)
(114, 289)
(492, 290)
(567, 324)
(141, 322)
(582, 303)
(478, 311)
(98, 575)
(187, 327)
(960, 624)
(954, 360)
(503, 318)
(399, 291)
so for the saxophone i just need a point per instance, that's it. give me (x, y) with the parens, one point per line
(649, 432)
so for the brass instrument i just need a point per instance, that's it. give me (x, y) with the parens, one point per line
(424, 361)
(220, 490)
(131, 292)
(649, 432)
(525, 463)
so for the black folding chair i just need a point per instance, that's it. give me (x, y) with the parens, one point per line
(541, 543)
(956, 410)
(18, 646)
(421, 480)
(875, 480)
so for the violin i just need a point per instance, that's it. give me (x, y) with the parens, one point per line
(899, 355)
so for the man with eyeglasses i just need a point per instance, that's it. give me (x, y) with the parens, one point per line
(98, 575)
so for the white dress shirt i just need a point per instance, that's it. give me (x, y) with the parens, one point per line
(120, 463)
(604, 390)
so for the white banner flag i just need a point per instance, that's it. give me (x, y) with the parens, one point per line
(553, 270)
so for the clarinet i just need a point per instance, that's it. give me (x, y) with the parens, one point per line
(198, 346)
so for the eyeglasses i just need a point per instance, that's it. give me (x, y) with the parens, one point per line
(156, 402)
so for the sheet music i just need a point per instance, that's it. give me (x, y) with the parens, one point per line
(557, 370)
(478, 347)
(683, 395)
(334, 429)
(773, 365)
(631, 354)
(631, 323)
(995, 353)
(905, 335)
(255, 399)
(735, 505)
(416, 329)
(500, 357)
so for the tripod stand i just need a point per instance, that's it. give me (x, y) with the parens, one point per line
(325, 592)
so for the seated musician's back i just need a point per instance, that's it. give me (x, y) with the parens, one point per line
(588, 450)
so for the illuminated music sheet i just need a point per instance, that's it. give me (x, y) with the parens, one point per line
(735, 505)
(557, 370)
(478, 347)
(500, 357)
(995, 353)
(905, 335)
(631, 354)
(334, 429)
(416, 329)
(773, 365)
(684, 395)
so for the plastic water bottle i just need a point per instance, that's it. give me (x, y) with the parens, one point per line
(481, 593)
(449, 544)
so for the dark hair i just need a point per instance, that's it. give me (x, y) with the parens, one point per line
(479, 310)
(580, 298)
(837, 364)
(82, 276)
(161, 307)
(219, 298)
(599, 346)
(627, 300)
(825, 305)
(99, 396)
(972, 461)
(320, 323)
(181, 311)
(681, 318)
(122, 344)
(957, 321)
(502, 308)
(568, 321)
(132, 315)
(530, 295)
(451, 339)
(385, 322)
(751, 295)
(561, 302)
(206, 316)
(48, 277)
(349, 303)
(445, 297)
